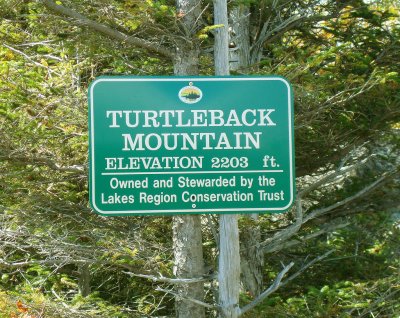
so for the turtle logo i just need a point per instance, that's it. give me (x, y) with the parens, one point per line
(190, 94)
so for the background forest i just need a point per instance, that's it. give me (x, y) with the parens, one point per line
(60, 259)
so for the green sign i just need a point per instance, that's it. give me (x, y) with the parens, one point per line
(174, 145)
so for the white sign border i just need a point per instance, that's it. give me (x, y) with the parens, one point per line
(186, 79)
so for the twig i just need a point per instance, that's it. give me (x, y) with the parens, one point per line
(138, 42)
(278, 281)
(200, 15)
(290, 230)
(198, 302)
(62, 302)
(275, 247)
(30, 59)
(45, 162)
(275, 285)
(331, 176)
(359, 194)
(315, 260)
(43, 262)
(381, 299)
(171, 280)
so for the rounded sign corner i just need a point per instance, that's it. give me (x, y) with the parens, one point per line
(285, 81)
(289, 205)
(95, 82)
(96, 209)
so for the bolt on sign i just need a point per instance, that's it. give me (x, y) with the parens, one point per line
(169, 145)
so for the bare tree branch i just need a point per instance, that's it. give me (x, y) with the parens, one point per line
(346, 95)
(284, 26)
(31, 59)
(383, 299)
(330, 177)
(41, 161)
(106, 30)
(274, 243)
(278, 281)
(171, 280)
(289, 231)
(359, 194)
(309, 264)
(49, 262)
(275, 285)
(198, 302)
(285, 245)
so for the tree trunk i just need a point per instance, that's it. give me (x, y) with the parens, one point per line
(229, 257)
(239, 52)
(187, 237)
(252, 257)
(229, 266)
(221, 41)
(84, 280)
(186, 61)
(188, 253)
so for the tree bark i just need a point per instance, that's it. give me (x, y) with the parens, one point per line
(188, 253)
(186, 62)
(221, 41)
(84, 280)
(239, 52)
(252, 257)
(229, 257)
(229, 266)
(187, 236)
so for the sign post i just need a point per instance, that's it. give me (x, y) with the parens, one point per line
(168, 145)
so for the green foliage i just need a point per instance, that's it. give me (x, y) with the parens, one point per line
(203, 32)
(345, 73)
(361, 277)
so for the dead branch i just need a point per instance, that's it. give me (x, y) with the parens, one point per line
(178, 296)
(309, 264)
(106, 30)
(324, 180)
(163, 279)
(289, 231)
(278, 281)
(359, 194)
(27, 57)
(275, 285)
(50, 262)
(273, 243)
(285, 245)
(42, 161)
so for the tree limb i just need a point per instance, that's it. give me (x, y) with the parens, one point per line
(42, 161)
(49, 262)
(275, 285)
(171, 280)
(294, 22)
(278, 281)
(273, 243)
(309, 264)
(289, 231)
(198, 302)
(30, 59)
(106, 30)
(278, 246)
(359, 194)
(330, 177)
